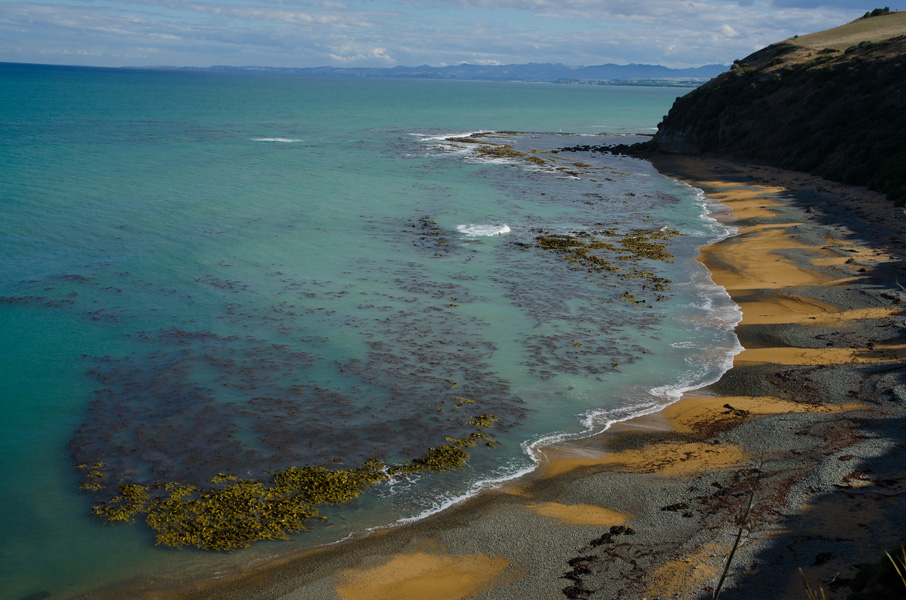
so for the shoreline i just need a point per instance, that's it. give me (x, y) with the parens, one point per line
(816, 325)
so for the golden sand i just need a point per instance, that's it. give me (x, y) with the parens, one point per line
(676, 458)
(666, 458)
(790, 308)
(821, 356)
(579, 514)
(750, 263)
(687, 573)
(420, 575)
(692, 414)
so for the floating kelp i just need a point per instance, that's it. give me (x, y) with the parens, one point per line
(648, 243)
(229, 513)
(579, 249)
(93, 477)
(452, 455)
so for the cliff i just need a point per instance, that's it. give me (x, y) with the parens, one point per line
(831, 103)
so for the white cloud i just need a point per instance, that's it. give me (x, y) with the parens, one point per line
(350, 54)
(728, 31)
(411, 32)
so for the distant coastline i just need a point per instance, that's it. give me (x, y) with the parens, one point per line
(609, 74)
(537, 72)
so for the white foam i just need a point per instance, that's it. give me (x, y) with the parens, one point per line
(276, 139)
(447, 136)
(472, 230)
(685, 345)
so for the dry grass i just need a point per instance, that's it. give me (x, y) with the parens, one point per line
(874, 29)
(899, 564)
(812, 595)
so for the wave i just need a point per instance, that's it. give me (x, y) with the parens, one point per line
(443, 137)
(472, 230)
(276, 139)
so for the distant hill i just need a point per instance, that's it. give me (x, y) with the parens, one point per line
(544, 72)
(831, 103)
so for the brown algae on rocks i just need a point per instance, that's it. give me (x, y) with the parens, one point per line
(494, 150)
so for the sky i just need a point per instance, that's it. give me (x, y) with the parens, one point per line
(387, 33)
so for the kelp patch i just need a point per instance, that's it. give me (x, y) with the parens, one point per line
(216, 441)
(229, 513)
(608, 251)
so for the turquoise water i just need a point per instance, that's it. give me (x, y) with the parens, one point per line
(208, 273)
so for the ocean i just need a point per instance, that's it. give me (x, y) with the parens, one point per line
(231, 276)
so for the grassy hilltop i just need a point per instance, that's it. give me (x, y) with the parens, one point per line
(831, 103)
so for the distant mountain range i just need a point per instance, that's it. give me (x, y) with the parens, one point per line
(528, 72)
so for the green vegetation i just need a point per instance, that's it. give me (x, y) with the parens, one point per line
(740, 69)
(229, 513)
(877, 12)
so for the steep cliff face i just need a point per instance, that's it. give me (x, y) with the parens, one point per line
(832, 104)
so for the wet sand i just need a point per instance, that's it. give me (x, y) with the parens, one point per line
(810, 424)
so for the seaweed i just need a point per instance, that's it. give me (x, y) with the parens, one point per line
(578, 249)
(230, 513)
(499, 151)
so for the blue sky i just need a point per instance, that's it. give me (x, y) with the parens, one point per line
(385, 33)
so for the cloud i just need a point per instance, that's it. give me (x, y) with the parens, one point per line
(813, 4)
(350, 54)
(409, 32)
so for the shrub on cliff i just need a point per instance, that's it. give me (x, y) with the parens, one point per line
(877, 12)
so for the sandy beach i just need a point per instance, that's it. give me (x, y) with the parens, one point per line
(808, 427)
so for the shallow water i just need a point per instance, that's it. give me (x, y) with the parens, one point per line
(209, 273)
